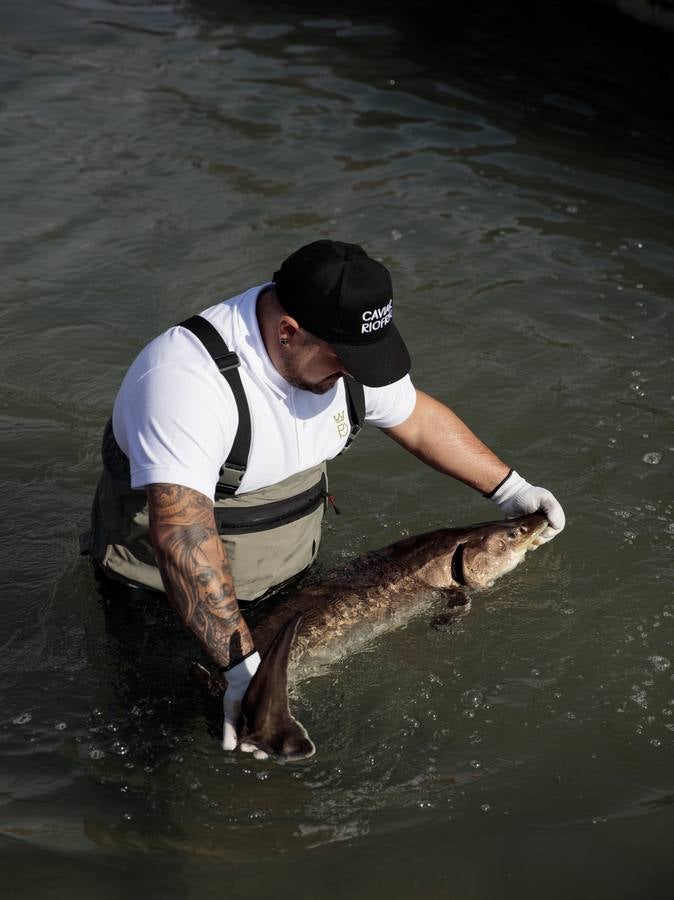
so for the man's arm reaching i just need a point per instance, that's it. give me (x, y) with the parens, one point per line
(436, 435)
(195, 570)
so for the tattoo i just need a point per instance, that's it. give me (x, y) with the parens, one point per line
(195, 570)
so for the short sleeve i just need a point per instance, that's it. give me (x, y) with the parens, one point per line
(176, 426)
(389, 406)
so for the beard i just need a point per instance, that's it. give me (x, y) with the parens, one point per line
(319, 387)
(291, 373)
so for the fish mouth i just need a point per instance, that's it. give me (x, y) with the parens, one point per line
(524, 531)
(532, 540)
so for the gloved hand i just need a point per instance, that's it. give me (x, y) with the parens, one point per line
(516, 497)
(238, 679)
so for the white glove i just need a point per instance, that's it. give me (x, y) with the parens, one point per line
(238, 679)
(516, 497)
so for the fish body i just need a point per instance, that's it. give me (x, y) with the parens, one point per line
(383, 589)
(352, 604)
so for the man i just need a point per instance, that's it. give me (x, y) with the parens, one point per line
(214, 486)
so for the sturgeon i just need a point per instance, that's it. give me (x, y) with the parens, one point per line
(352, 604)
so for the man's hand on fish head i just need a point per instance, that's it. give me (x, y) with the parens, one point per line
(238, 679)
(516, 497)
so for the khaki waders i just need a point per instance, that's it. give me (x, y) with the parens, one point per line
(271, 535)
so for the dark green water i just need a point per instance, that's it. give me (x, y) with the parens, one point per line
(515, 173)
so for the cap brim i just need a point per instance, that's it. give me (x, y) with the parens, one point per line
(376, 364)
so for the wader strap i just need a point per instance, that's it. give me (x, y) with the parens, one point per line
(355, 397)
(248, 520)
(228, 363)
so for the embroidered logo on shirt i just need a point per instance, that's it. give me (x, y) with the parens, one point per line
(374, 319)
(341, 423)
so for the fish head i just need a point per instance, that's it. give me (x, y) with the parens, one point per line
(484, 553)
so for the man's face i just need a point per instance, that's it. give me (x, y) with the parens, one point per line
(311, 364)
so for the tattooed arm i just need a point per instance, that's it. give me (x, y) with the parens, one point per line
(195, 570)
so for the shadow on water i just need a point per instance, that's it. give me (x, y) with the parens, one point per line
(580, 67)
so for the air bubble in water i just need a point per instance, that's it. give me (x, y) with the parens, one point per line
(652, 458)
(472, 699)
(660, 663)
(22, 719)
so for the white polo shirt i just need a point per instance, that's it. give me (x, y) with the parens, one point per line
(175, 416)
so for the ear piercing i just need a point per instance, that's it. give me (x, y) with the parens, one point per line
(284, 342)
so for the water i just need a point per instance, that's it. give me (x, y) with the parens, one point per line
(515, 174)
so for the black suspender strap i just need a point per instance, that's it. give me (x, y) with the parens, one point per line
(228, 363)
(355, 398)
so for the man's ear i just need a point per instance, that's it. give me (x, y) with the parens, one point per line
(288, 328)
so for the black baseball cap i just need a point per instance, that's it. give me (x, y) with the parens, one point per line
(341, 295)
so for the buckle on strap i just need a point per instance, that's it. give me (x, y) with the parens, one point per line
(353, 434)
(227, 361)
(231, 476)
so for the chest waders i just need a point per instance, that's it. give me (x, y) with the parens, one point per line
(271, 535)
